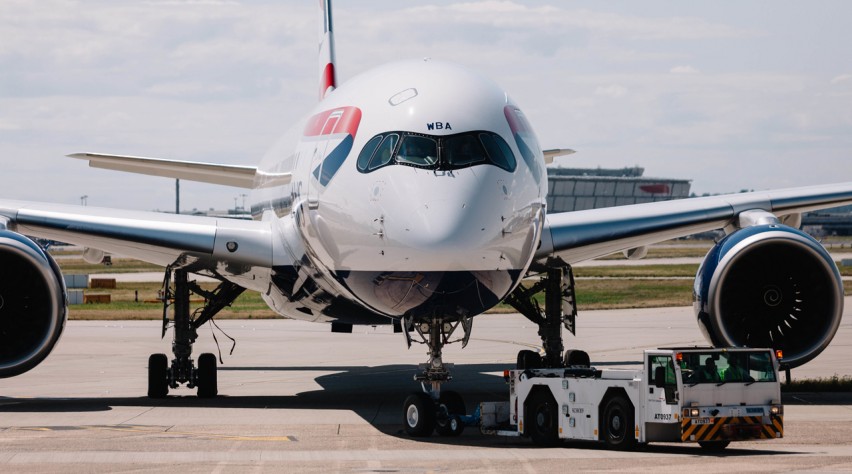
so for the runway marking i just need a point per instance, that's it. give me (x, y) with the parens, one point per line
(161, 430)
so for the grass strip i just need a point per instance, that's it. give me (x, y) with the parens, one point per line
(835, 383)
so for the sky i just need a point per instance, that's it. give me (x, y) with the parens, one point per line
(732, 95)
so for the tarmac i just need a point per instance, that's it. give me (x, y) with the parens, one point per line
(295, 397)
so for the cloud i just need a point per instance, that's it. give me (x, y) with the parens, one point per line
(684, 70)
(613, 91)
(8, 125)
(685, 91)
(190, 2)
(190, 89)
(841, 78)
(550, 17)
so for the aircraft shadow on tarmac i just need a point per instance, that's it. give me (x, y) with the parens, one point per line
(376, 394)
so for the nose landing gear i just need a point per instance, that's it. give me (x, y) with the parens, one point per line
(432, 409)
(444, 411)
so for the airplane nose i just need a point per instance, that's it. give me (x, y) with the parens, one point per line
(446, 225)
(460, 224)
(453, 244)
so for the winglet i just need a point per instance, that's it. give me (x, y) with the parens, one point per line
(549, 155)
(327, 70)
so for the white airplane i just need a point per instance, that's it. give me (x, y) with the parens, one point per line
(415, 196)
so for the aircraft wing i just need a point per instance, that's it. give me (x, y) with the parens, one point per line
(153, 237)
(583, 235)
(549, 155)
(247, 177)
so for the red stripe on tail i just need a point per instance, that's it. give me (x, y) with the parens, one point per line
(327, 80)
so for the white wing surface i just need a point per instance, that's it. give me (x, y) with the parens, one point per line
(149, 236)
(248, 177)
(582, 235)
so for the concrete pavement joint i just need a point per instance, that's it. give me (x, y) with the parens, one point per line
(137, 416)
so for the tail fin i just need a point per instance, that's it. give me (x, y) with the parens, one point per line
(327, 73)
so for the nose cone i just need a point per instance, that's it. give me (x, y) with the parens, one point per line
(451, 244)
(466, 221)
(456, 229)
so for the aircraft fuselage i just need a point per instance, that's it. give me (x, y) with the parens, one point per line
(418, 189)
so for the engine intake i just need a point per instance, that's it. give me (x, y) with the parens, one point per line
(32, 304)
(770, 286)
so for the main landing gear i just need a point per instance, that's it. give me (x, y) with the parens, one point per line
(560, 309)
(434, 409)
(161, 374)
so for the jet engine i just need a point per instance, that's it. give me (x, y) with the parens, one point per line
(769, 286)
(32, 304)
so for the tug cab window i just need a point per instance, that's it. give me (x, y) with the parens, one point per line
(724, 367)
(662, 373)
(436, 152)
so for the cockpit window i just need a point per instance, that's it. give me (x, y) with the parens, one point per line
(524, 138)
(498, 151)
(367, 152)
(417, 151)
(375, 155)
(436, 152)
(463, 150)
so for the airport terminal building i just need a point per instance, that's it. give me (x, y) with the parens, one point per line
(578, 189)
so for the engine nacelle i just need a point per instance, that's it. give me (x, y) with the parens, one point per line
(32, 304)
(769, 286)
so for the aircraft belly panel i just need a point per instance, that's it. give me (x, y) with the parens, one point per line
(429, 293)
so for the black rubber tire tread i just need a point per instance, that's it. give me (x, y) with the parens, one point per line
(617, 424)
(576, 358)
(455, 407)
(528, 359)
(422, 424)
(541, 422)
(158, 376)
(207, 376)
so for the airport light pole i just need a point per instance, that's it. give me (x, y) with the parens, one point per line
(177, 196)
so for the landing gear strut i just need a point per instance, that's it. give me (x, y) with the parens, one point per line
(560, 309)
(433, 409)
(161, 374)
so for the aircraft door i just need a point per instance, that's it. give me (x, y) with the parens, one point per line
(662, 395)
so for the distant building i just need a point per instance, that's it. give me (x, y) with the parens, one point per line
(836, 221)
(578, 189)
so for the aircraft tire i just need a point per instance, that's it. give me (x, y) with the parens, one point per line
(158, 376)
(528, 359)
(207, 380)
(418, 415)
